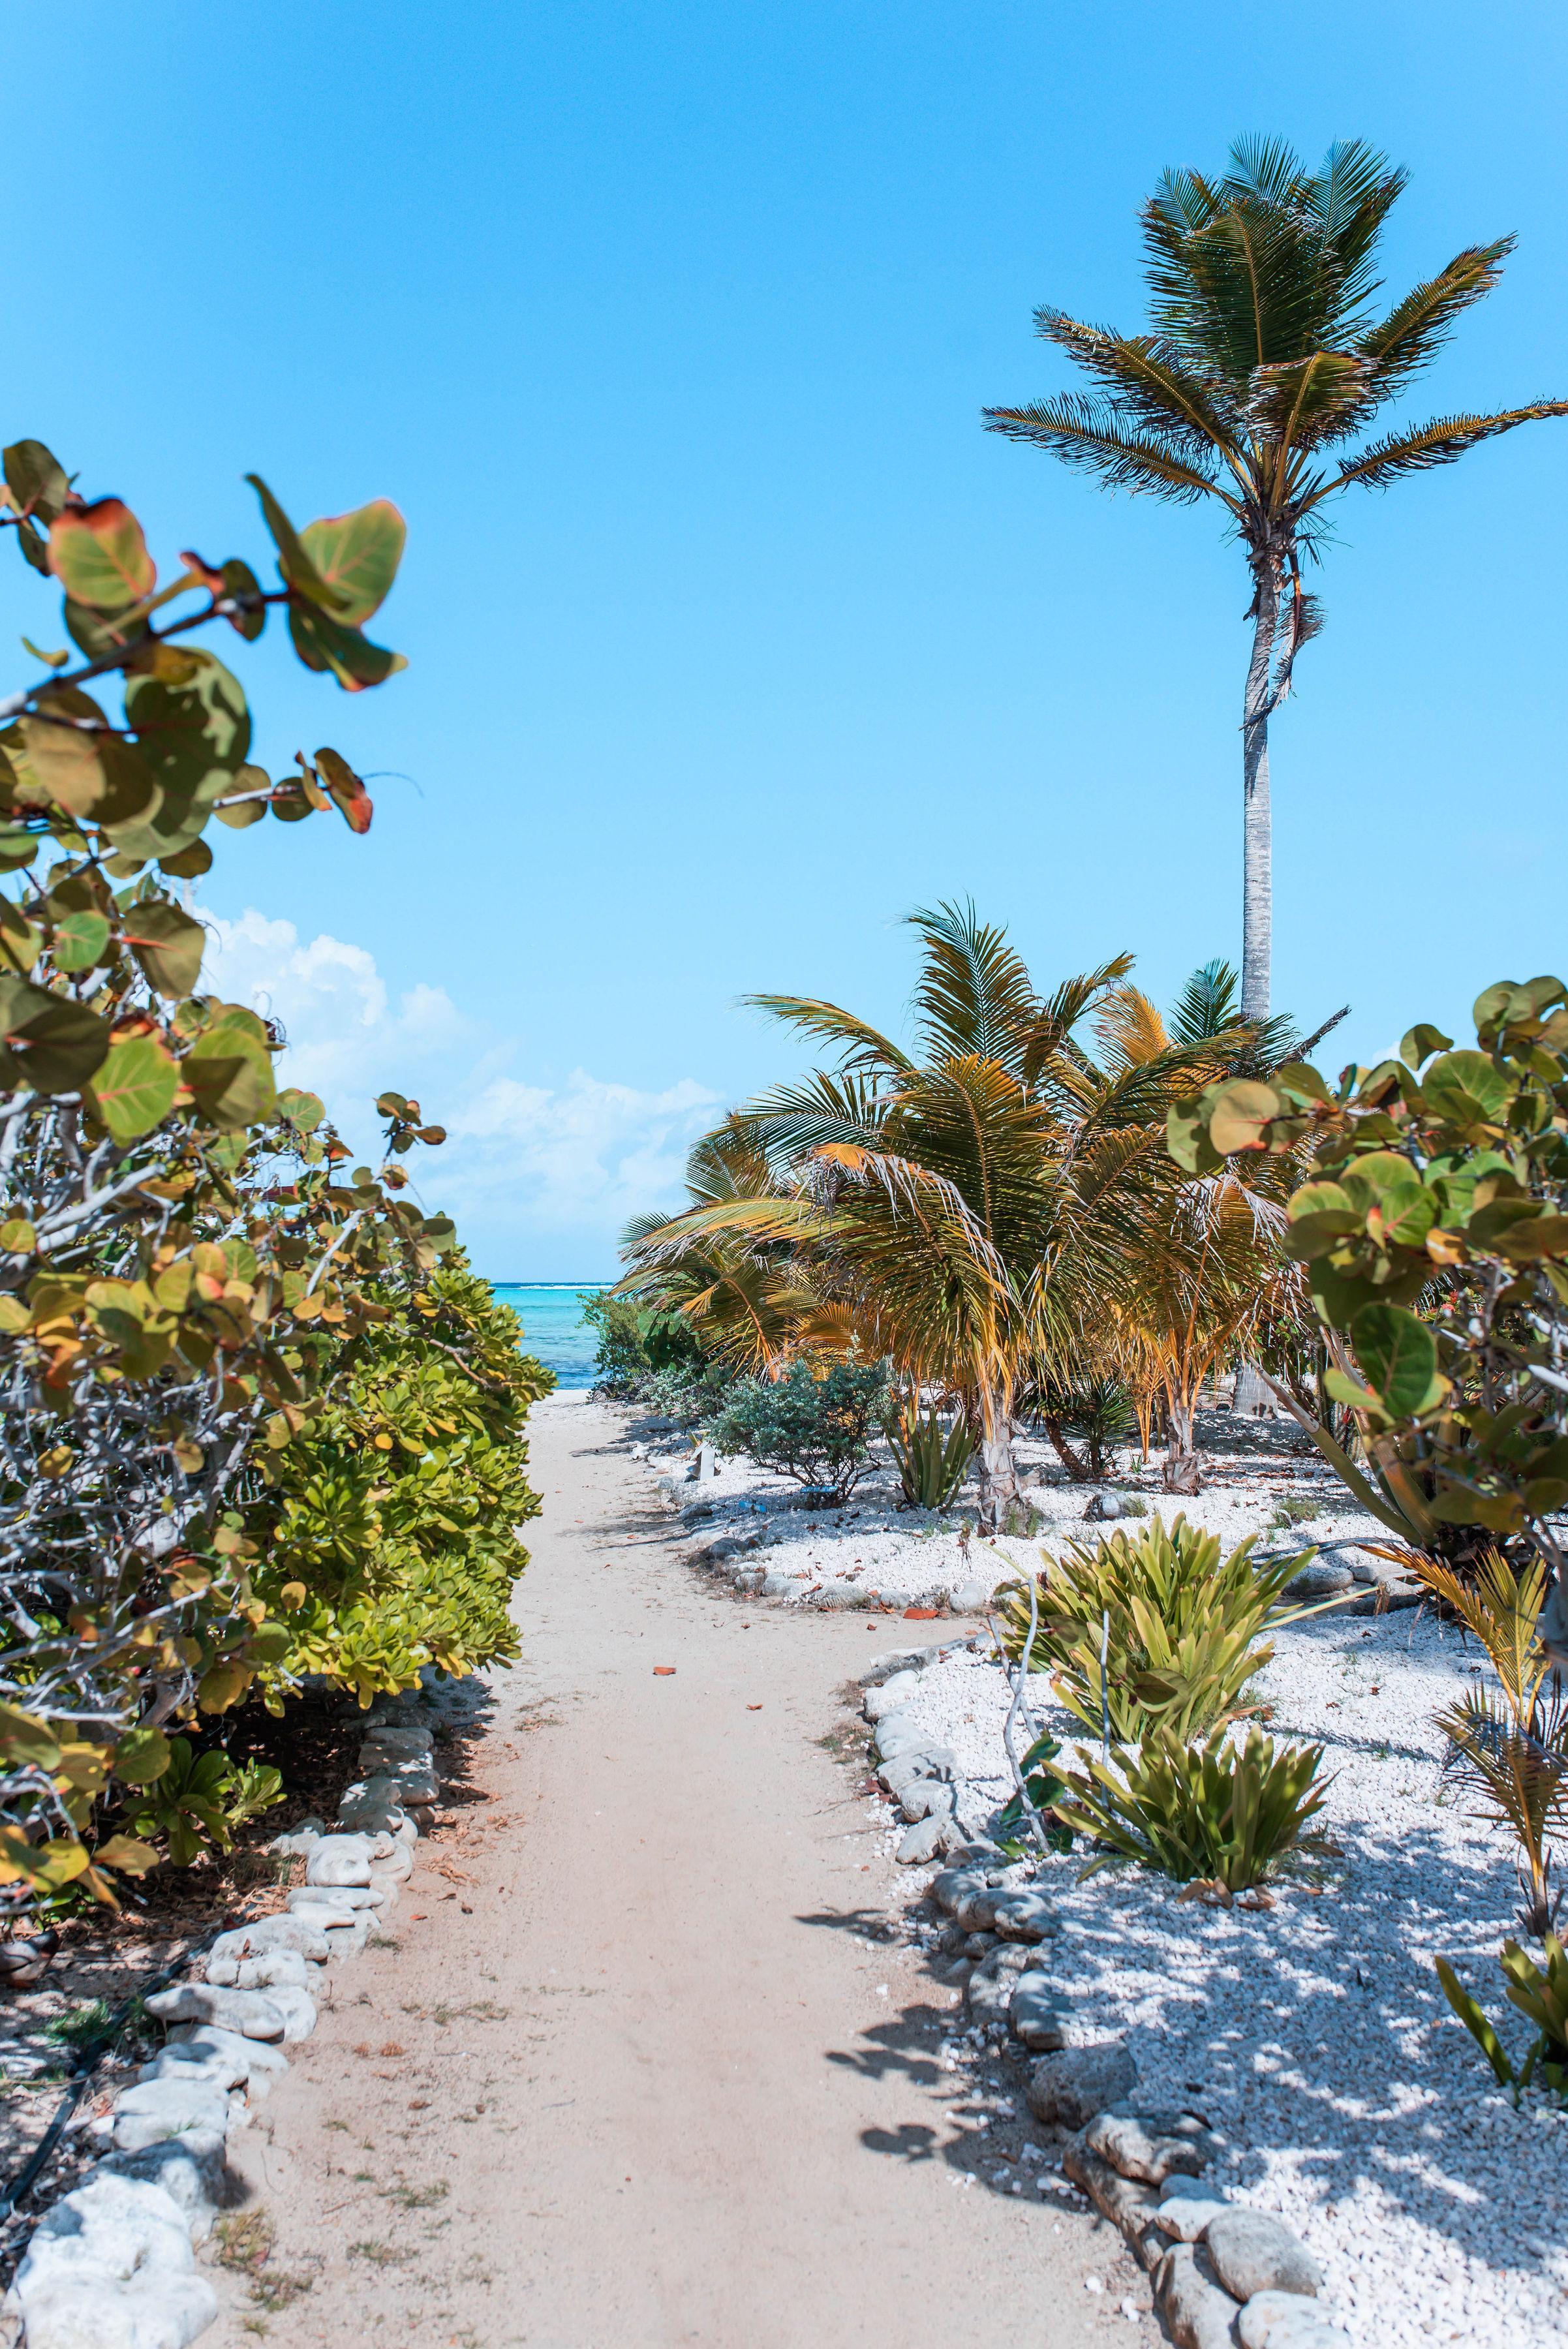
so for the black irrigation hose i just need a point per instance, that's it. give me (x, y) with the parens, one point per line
(89, 2057)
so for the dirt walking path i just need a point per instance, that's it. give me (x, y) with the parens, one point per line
(636, 2075)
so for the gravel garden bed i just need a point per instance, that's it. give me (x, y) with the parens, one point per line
(1310, 2033)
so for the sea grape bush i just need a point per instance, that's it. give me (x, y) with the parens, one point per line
(636, 1343)
(1434, 1229)
(184, 1259)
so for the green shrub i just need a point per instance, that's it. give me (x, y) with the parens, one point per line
(1186, 1628)
(1045, 1785)
(635, 1344)
(692, 1394)
(1216, 1813)
(1099, 1413)
(815, 1427)
(389, 1527)
(933, 1458)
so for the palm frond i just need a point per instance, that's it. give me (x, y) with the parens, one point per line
(1239, 289)
(1417, 328)
(1089, 434)
(973, 994)
(1349, 200)
(864, 1047)
(1303, 403)
(1262, 171)
(1056, 1015)
(1129, 1029)
(1207, 1003)
(1417, 450)
(1149, 386)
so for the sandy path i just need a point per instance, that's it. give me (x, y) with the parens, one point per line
(629, 2080)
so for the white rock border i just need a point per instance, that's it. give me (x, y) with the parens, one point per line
(1222, 2273)
(111, 2265)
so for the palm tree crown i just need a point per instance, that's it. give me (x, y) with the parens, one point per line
(967, 1207)
(1267, 359)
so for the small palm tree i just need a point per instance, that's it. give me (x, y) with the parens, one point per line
(1266, 360)
(966, 1208)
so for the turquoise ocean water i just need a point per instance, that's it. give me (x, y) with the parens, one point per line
(552, 1324)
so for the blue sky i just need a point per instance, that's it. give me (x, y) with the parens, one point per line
(732, 635)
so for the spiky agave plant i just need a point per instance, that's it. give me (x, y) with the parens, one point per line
(1183, 1629)
(1215, 1814)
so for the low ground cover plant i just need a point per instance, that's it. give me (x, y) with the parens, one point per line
(813, 1424)
(1182, 1630)
(1216, 1812)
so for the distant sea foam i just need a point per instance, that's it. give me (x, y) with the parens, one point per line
(552, 1324)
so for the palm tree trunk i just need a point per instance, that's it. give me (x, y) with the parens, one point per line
(998, 1471)
(1180, 1473)
(1257, 852)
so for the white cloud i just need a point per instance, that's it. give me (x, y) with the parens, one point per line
(344, 1036)
(591, 1153)
(540, 1179)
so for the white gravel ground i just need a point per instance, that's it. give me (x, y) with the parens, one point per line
(874, 1546)
(1315, 2036)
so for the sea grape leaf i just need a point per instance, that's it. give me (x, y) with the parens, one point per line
(80, 940)
(1398, 1356)
(230, 1075)
(51, 1042)
(134, 1089)
(167, 943)
(347, 793)
(357, 555)
(36, 478)
(99, 556)
(324, 643)
(293, 561)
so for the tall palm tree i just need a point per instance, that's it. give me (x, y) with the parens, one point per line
(966, 1207)
(1266, 358)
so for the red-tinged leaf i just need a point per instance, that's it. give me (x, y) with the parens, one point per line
(135, 1088)
(168, 944)
(348, 795)
(36, 478)
(98, 553)
(293, 560)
